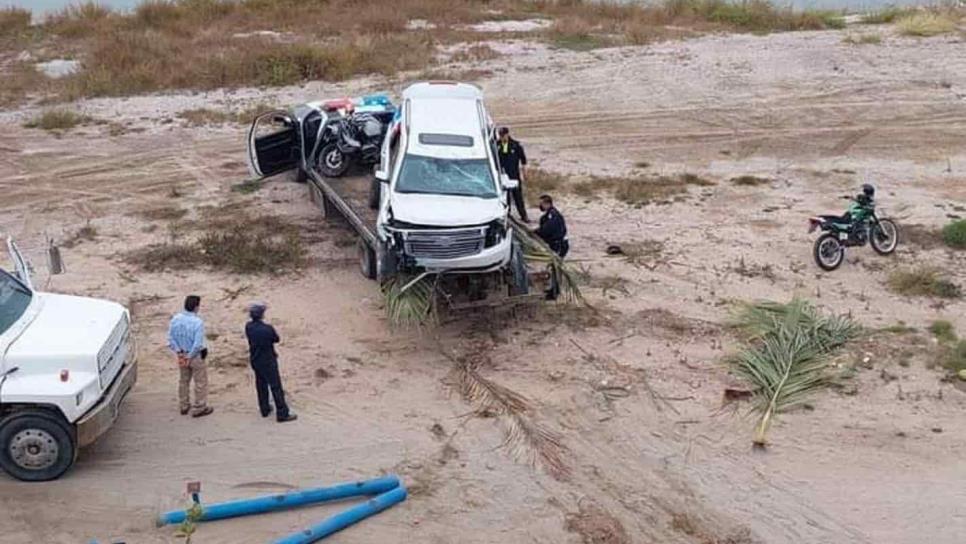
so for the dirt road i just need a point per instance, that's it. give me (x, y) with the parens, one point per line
(660, 460)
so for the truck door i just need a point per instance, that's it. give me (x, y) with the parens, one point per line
(19, 264)
(272, 144)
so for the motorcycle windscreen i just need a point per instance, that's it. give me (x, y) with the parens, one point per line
(272, 144)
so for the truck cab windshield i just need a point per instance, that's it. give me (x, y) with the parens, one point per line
(457, 177)
(14, 299)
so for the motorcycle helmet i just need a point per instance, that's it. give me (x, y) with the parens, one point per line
(868, 190)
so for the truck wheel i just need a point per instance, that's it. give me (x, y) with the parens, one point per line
(299, 175)
(367, 260)
(375, 187)
(387, 265)
(520, 281)
(35, 447)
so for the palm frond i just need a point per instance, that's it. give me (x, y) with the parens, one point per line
(786, 358)
(527, 440)
(537, 251)
(410, 301)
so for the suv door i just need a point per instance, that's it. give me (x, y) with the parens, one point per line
(272, 144)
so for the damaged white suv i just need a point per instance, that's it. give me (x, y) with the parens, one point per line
(441, 197)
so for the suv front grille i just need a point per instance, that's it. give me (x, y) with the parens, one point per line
(444, 244)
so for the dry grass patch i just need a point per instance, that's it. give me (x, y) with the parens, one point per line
(750, 181)
(241, 245)
(640, 190)
(863, 39)
(207, 44)
(926, 24)
(164, 213)
(476, 53)
(887, 16)
(541, 182)
(57, 119)
(924, 282)
(922, 236)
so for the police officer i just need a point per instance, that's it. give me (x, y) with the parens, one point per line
(261, 348)
(513, 162)
(553, 228)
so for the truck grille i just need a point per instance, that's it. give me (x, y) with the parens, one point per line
(445, 244)
(112, 355)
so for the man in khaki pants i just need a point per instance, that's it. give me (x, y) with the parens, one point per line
(186, 338)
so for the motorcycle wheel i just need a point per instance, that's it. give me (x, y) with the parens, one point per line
(332, 161)
(884, 237)
(829, 252)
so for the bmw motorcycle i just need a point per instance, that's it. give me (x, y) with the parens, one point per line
(859, 226)
(355, 139)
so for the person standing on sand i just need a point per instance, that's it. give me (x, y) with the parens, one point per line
(513, 162)
(186, 339)
(261, 349)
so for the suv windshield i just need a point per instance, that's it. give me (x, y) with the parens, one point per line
(460, 177)
(14, 299)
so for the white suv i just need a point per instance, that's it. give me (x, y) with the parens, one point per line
(441, 197)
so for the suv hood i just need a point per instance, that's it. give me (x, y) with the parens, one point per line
(445, 210)
(66, 328)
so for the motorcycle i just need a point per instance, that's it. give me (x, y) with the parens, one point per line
(354, 139)
(859, 226)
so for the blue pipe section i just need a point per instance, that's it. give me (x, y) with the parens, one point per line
(270, 503)
(346, 518)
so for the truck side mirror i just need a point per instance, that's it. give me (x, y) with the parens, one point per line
(55, 263)
(508, 184)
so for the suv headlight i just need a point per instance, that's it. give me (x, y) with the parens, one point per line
(495, 232)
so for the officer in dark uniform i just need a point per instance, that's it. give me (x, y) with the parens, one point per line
(513, 162)
(553, 228)
(261, 348)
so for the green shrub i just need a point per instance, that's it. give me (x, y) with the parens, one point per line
(954, 234)
(943, 331)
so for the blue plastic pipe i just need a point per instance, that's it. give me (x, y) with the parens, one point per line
(270, 503)
(346, 518)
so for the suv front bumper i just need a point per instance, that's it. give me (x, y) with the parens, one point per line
(100, 418)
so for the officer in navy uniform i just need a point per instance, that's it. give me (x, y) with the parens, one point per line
(261, 346)
(513, 162)
(553, 227)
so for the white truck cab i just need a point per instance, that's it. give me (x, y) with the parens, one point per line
(442, 198)
(66, 363)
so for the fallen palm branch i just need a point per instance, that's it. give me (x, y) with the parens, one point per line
(786, 358)
(537, 251)
(411, 301)
(526, 439)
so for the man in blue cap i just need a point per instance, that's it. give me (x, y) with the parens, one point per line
(261, 349)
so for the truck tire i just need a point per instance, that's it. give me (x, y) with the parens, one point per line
(387, 264)
(519, 279)
(367, 260)
(35, 446)
(375, 187)
(299, 175)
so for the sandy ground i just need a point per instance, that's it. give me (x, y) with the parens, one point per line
(878, 461)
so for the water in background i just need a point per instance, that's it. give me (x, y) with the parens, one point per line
(42, 6)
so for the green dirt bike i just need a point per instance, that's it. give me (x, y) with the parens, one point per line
(860, 225)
